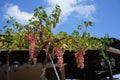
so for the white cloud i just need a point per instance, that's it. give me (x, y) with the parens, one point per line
(85, 11)
(14, 11)
(83, 8)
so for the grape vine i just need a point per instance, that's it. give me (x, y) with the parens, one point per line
(37, 35)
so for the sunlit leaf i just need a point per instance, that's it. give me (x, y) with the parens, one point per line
(75, 32)
(40, 7)
(20, 28)
(4, 26)
(80, 27)
(8, 21)
(35, 14)
(35, 9)
(35, 23)
(90, 23)
(86, 23)
(84, 35)
(15, 24)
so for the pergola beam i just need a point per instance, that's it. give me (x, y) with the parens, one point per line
(113, 50)
(110, 49)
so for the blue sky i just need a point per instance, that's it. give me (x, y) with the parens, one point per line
(105, 14)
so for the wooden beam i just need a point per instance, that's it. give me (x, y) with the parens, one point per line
(110, 49)
(14, 49)
(113, 50)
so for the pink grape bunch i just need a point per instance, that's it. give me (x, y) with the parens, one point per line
(80, 58)
(59, 54)
(32, 43)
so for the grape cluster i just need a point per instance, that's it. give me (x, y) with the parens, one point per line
(80, 58)
(59, 53)
(32, 43)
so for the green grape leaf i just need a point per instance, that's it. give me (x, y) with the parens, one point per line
(5, 26)
(79, 27)
(40, 7)
(90, 23)
(86, 24)
(8, 21)
(15, 24)
(75, 32)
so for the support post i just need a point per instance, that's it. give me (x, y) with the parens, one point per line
(7, 66)
(109, 65)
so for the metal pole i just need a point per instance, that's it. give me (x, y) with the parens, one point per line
(54, 67)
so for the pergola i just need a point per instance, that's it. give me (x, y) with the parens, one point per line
(95, 67)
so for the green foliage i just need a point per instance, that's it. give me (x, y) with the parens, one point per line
(104, 56)
(89, 23)
(75, 32)
(41, 25)
(80, 27)
(55, 14)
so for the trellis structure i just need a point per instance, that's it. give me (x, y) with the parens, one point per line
(92, 63)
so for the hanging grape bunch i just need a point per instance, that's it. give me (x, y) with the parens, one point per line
(59, 54)
(80, 58)
(32, 43)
